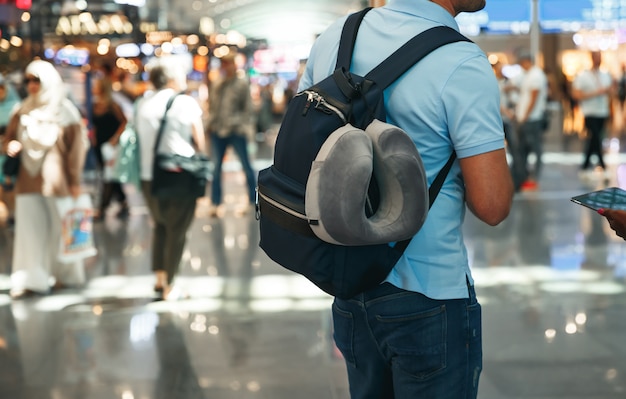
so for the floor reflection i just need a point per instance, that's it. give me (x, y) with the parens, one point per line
(551, 279)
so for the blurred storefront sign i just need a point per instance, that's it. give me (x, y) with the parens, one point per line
(85, 24)
(554, 16)
(574, 15)
(73, 56)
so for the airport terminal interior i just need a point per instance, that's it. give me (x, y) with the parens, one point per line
(551, 280)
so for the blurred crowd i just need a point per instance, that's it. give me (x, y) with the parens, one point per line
(55, 134)
(58, 134)
(590, 105)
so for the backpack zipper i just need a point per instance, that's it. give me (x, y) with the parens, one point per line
(320, 104)
(285, 209)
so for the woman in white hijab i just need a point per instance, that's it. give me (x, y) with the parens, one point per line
(48, 134)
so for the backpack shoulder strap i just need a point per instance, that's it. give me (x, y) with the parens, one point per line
(411, 52)
(395, 66)
(348, 38)
(401, 61)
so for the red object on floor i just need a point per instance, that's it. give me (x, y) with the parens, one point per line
(530, 185)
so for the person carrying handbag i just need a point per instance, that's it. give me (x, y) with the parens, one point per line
(47, 133)
(184, 136)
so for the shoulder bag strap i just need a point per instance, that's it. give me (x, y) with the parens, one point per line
(162, 125)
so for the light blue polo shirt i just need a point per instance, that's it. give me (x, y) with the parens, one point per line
(449, 100)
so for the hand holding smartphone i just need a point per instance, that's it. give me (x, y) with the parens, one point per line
(608, 198)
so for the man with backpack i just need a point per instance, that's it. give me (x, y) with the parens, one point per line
(418, 334)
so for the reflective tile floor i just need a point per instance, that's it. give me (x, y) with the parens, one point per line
(551, 279)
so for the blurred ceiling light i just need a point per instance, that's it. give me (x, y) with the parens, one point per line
(192, 40)
(571, 328)
(221, 51)
(102, 50)
(16, 41)
(207, 26)
(136, 3)
(167, 47)
(581, 318)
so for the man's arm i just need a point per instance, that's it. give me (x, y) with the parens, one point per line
(488, 186)
(579, 94)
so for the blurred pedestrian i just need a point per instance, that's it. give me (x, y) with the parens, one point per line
(530, 115)
(264, 117)
(621, 97)
(231, 123)
(184, 135)
(109, 123)
(593, 88)
(508, 101)
(47, 133)
(9, 99)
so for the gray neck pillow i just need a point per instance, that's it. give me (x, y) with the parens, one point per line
(336, 190)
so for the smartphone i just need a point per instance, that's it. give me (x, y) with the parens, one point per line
(608, 198)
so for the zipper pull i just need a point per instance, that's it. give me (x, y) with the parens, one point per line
(309, 101)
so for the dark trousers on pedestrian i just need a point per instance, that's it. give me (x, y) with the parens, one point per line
(171, 218)
(595, 128)
(110, 191)
(218, 149)
(401, 344)
(530, 134)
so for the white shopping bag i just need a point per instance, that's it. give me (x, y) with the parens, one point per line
(76, 228)
(109, 156)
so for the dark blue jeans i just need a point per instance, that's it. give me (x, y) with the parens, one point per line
(530, 136)
(400, 344)
(219, 146)
(595, 127)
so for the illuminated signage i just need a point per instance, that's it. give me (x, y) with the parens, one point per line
(136, 3)
(84, 24)
(515, 16)
(158, 37)
(128, 50)
(23, 4)
(498, 16)
(72, 56)
(572, 15)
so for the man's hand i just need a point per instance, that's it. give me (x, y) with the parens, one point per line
(617, 220)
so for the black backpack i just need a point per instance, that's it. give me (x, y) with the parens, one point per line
(312, 115)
